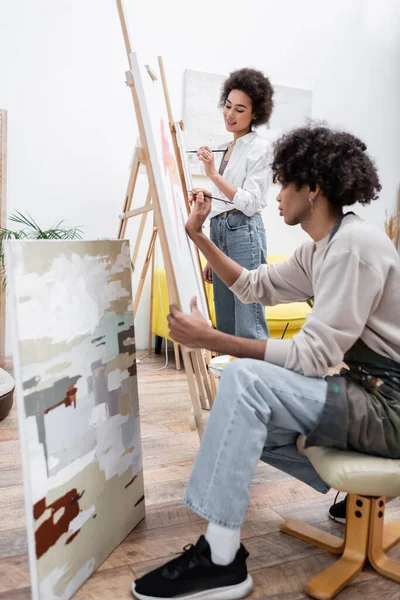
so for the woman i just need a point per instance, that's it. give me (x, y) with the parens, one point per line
(241, 179)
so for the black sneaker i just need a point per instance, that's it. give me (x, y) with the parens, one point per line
(193, 576)
(337, 511)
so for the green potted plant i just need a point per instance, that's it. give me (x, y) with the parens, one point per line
(27, 229)
(30, 230)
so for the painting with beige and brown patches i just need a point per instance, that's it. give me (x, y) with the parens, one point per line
(77, 405)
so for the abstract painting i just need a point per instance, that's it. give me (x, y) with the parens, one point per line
(187, 273)
(78, 409)
(204, 124)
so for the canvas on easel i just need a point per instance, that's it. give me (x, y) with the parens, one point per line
(78, 408)
(172, 203)
(188, 184)
(168, 184)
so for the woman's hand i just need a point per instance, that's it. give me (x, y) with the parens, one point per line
(206, 156)
(189, 330)
(201, 204)
(207, 274)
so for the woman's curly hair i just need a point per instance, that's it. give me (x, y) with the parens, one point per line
(257, 87)
(334, 160)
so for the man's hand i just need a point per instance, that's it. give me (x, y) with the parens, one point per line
(207, 274)
(193, 331)
(189, 330)
(206, 156)
(201, 202)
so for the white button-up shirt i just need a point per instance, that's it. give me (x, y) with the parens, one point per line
(249, 170)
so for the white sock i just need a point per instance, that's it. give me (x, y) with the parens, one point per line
(224, 543)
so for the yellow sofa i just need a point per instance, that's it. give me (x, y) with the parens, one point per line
(292, 315)
(283, 316)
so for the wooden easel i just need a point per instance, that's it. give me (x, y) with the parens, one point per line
(3, 216)
(192, 358)
(150, 255)
(173, 125)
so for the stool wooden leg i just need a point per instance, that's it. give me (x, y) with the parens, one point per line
(327, 584)
(383, 537)
(313, 535)
(391, 535)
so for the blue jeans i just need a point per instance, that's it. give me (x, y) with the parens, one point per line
(242, 239)
(259, 411)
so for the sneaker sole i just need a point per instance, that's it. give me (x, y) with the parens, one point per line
(337, 519)
(231, 592)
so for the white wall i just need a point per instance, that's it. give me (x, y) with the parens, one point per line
(71, 121)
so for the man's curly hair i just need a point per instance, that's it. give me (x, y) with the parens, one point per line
(334, 160)
(257, 87)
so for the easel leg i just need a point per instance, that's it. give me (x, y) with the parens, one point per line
(150, 345)
(129, 194)
(141, 229)
(144, 270)
(206, 379)
(213, 382)
(177, 357)
(200, 384)
(193, 392)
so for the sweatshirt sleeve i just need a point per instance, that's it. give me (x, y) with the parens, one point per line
(346, 291)
(279, 283)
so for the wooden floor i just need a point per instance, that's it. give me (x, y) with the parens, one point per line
(280, 565)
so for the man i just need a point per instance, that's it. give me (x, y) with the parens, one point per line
(279, 388)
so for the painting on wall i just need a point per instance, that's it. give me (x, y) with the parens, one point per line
(188, 277)
(78, 409)
(204, 124)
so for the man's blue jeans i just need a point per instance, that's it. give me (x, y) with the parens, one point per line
(259, 411)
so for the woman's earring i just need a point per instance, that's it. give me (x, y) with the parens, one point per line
(311, 201)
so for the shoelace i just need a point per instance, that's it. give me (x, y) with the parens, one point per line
(336, 497)
(179, 564)
(335, 501)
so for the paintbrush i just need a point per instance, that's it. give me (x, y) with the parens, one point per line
(195, 151)
(213, 197)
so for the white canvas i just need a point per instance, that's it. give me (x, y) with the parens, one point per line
(173, 208)
(78, 408)
(203, 120)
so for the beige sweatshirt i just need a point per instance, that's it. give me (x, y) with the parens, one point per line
(355, 282)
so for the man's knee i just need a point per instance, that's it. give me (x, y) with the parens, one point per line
(251, 368)
(235, 381)
(238, 367)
